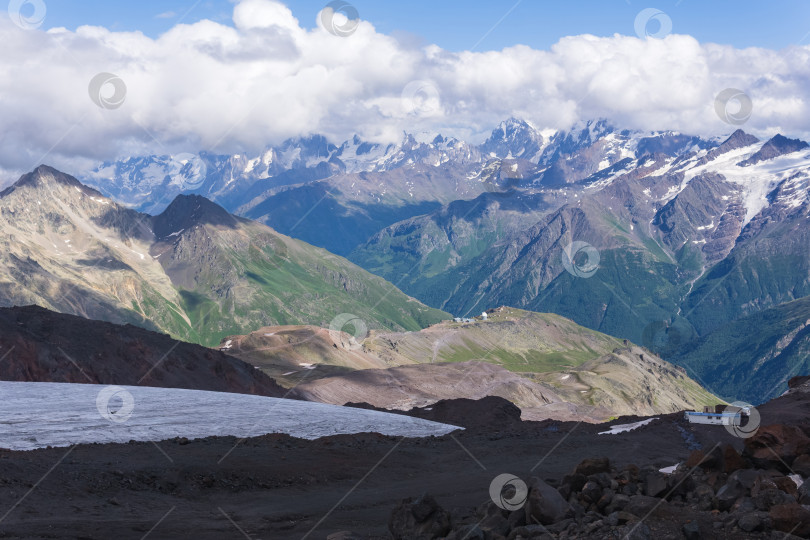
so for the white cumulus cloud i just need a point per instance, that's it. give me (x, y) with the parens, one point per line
(209, 86)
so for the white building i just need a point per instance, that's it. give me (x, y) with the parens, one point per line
(484, 315)
(719, 419)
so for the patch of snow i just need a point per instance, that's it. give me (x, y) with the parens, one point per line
(669, 470)
(307, 365)
(36, 415)
(704, 227)
(623, 428)
(227, 344)
(756, 181)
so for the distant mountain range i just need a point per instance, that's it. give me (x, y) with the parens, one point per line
(336, 196)
(660, 238)
(687, 242)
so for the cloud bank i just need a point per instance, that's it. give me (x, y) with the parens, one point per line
(208, 86)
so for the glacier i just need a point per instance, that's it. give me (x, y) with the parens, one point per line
(35, 415)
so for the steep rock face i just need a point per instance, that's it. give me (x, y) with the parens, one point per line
(38, 345)
(514, 138)
(777, 146)
(67, 248)
(709, 213)
(738, 139)
(753, 358)
(768, 265)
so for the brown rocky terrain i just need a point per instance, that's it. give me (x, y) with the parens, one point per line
(37, 345)
(280, 487)
(547, 365)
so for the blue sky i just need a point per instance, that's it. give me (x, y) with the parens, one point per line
(205, 88)
(462, 24)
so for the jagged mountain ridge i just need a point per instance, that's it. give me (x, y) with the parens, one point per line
(359, 187)
(689, 242)
(193, 271)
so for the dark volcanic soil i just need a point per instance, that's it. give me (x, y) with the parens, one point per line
(43, 346)
(279, 487)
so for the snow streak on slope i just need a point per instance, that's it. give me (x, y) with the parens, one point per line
(755, 181)
(35, 415)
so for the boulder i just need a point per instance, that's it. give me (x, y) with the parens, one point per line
(728, 494)
(745, 477)
(544, 504)
(691, 531)
(803, 493)
(791, 518)
(591, 492)
(753, 521)
(636, 531)
(732, 460)
(419, 519)
(655, 485)
(572, 483)
(495, 524)
(776, 446)
(606, 498)
(593, 466)
(642, 505)
(801, 465)
(708, 462)
(618, 502)
(786, 484)
(704, 495)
